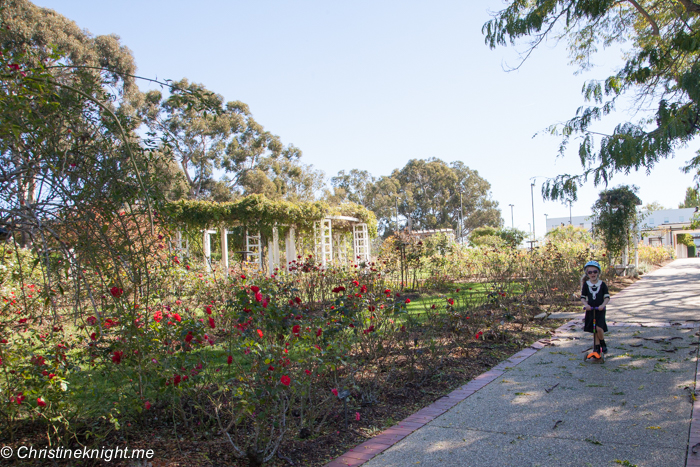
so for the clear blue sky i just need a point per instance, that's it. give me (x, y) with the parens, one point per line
(372, 84)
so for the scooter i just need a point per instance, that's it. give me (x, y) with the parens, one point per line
(594, 357)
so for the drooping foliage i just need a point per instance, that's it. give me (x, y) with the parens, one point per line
(661, 69)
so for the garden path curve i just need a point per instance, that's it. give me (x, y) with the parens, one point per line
(546, 407)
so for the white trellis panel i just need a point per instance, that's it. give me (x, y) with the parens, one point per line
(207, 248)
(323, 241)
(360, 242)
(338, 248)
(183, 249)
(253, 245)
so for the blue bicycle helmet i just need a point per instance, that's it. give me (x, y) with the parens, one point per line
(594, 264)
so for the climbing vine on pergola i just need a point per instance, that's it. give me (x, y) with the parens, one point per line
(264, 217)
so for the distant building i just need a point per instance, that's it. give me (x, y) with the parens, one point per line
(657, 227)
(662, 228)
(577, 221)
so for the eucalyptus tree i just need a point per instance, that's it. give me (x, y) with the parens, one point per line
(56, 80)
(218, 135)
(426, 195)
(660, 70)
(353, 186)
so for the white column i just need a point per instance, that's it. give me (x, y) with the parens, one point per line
(224, 249)
(275, 247)
(273, 250)
(207, 251)
(290, 249)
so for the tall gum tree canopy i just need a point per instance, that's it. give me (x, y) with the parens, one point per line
(224, 135)
(428, 196)
(26, 26)
(661, 70)
(67, 102)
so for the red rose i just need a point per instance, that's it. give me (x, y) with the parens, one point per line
(116, 292)
(319, 332)
(176, 380)
(158, 316)
(260, 333)
(335, 392)
(296, 329)
(189, 337)
(91, 320)
(147, 405)
(208, 310)
(286, 380)
(117, 356)
(176, 317)
(211, 323)
(243, 276)
(408, 300)
(40, 402)
(255, 288)
(229, 360)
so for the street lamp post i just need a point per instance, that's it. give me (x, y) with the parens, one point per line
(545, 224)
(512, 225)
(532, 196)
(570, 223)
(461, 219)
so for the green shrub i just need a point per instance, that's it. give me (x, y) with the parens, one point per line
(655, 254)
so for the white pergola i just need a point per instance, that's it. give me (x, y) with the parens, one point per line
(326, 242)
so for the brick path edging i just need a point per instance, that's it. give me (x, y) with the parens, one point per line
(387, 438)
(362, 453)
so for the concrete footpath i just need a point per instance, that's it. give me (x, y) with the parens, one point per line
(546, 407)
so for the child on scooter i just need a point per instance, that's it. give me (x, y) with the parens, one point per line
(594, 294)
